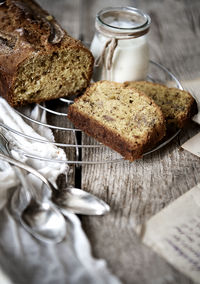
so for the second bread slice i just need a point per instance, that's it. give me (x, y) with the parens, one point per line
(122, 118)
(177, 106)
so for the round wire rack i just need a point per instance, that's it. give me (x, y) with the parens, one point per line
(81, 149)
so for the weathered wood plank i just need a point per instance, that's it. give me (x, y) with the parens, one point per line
(136, 191)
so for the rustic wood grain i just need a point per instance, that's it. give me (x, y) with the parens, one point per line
(138, 190)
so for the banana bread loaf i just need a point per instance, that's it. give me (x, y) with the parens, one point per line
(38, 60)
(177, 105)
(122, 118)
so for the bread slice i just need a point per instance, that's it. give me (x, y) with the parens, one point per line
(39, 61)
(120, 117)
(177, 105)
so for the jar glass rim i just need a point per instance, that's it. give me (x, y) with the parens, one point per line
(140, 21)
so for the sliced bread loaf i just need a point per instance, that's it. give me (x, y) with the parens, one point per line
(177, 105)
(120, 117)
(39, 61)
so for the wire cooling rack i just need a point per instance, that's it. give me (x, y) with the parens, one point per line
(83, 149)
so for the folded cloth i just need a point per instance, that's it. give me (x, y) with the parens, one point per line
(20, 144)
(23, 258)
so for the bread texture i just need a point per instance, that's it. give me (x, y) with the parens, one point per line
(120, 117)
(177, 106)
(39, 61)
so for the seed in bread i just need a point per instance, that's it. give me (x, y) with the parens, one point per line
(122, 118)
(39, 61)
(177, 105)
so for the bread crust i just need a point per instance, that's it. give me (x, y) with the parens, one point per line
(129, 149)
(26, 31)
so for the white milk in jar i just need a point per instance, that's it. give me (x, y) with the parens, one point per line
(120, 44)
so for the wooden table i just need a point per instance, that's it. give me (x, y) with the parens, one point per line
(138, 190)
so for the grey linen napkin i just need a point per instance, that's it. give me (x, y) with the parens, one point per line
(27, 260)
(23, 258)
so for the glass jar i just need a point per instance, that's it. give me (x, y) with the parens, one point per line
(120, 44)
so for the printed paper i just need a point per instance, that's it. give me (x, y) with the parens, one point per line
(174, 233)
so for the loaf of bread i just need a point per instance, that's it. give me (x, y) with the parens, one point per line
(177, 105)
(122, 118)
(39, 61)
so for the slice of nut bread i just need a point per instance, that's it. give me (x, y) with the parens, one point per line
(122, 118)
(177, 106)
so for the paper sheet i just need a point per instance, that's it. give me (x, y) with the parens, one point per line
(174, 233)
(193, 86)
(193, 145)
